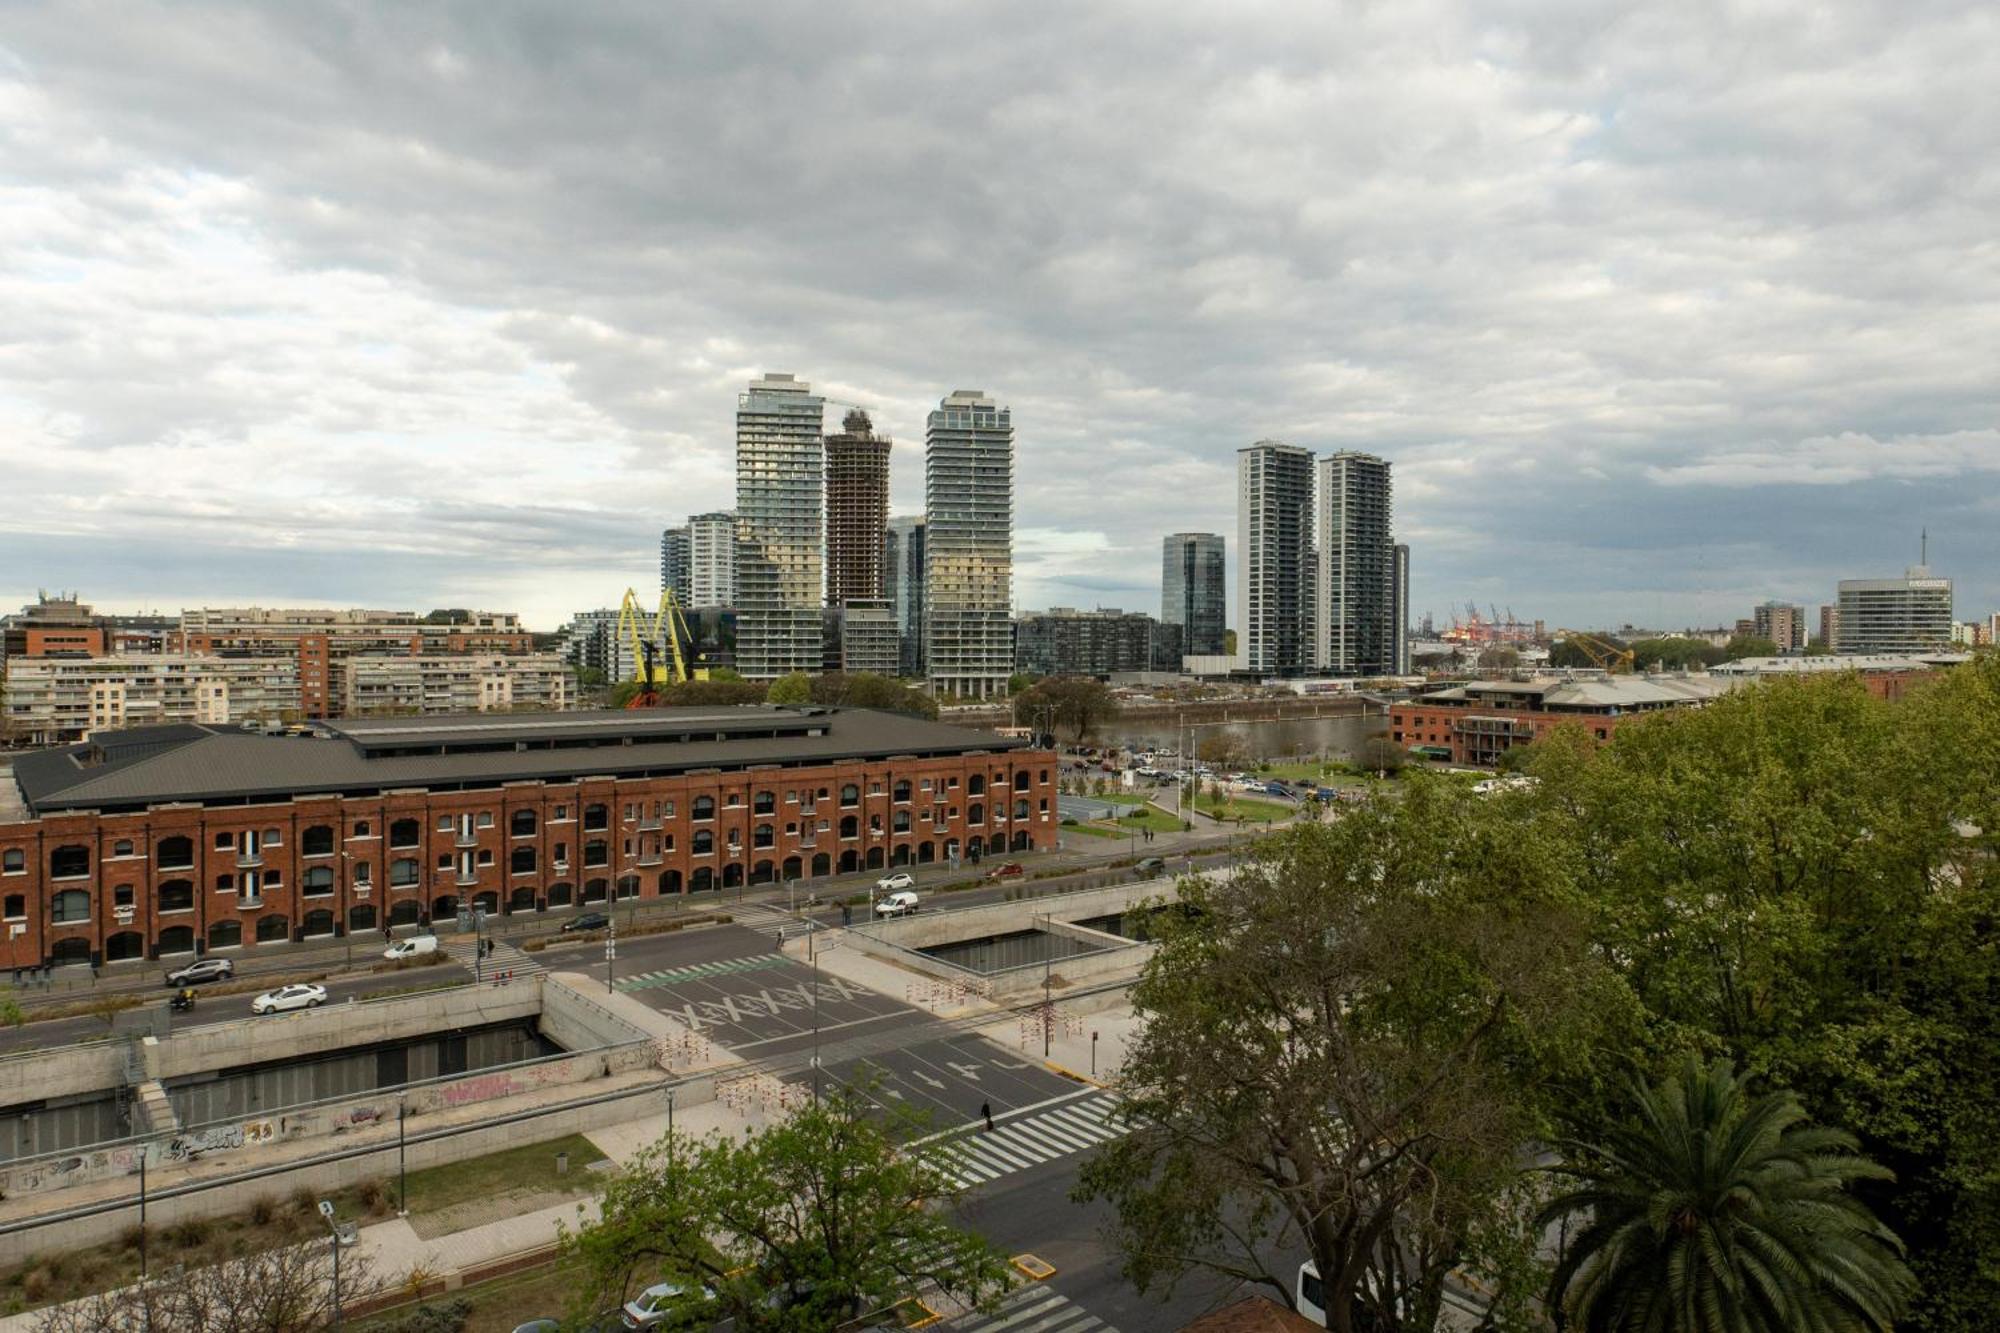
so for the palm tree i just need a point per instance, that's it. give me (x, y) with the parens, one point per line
(1715, 1210)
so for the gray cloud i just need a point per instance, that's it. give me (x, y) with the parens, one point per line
(1657, 310)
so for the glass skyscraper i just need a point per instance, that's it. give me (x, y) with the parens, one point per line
(1192, 587)
(780, 467)
(969, 534)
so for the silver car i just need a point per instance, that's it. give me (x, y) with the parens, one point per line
(302, 995)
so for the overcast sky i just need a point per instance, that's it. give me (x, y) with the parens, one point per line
(1659, 310)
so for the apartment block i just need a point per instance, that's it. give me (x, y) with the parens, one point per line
(1063, 641)
(1783, 623)
(1274, 557)
(969, 536)
(453, 683)
(711, 561)
(57, 700)
(780, 470)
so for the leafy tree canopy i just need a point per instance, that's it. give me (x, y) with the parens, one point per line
(1075, 703)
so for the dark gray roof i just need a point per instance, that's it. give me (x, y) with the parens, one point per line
(158, 765)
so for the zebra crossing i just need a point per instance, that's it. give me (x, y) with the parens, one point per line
(696, 971)
(505, 960)
(1032, 1309)
(975, 1157)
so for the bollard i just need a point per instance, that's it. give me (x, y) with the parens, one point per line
(562, 1163)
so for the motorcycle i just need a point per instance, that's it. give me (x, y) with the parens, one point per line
(182, 1001)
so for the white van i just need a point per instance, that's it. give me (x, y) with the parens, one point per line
(416, 946)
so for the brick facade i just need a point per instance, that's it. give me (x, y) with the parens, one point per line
(173, 879)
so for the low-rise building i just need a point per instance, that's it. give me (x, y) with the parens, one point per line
(453, 683)
(1478, 722)
(56, 700)
(190, 838)
(1886, 675)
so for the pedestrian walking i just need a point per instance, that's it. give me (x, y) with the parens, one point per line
(986, 1112)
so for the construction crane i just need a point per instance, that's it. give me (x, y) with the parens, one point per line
(1603, 655)
(646, 636)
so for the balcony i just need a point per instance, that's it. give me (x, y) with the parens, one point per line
(249, 860)
(467, 878)
(649, 824)
(467, 840)
(650, 859)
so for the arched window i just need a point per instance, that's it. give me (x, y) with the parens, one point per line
(628, 886)
(176, 895)
(670, 881)
(522, 899)
(561, 894)
(901, 793)
(521, 861)
(975, 785)
(273, 928)
(596, 890)
(444, 907)
(521, 824)
(405, 913)
(316, 840)
(849, 861)
(764, 803)
(763, 873)
(596, 817)
(850, 794)
(732, 875)
(822, 865)
(704, 807)
(487, 902)
(175, 853)
(319, 921)
(702, 880)
(69, 951)
(406, 833)
(361, 917)
(317, 880)
(128, 944)
(926, 853)
(69, 906)
(225, 935)
(69, 862)
(793, 868)
(704, 842)
(901, 856)
(765, 835)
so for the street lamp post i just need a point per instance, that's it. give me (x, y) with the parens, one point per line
(333, 1235)
(402, 1158)
(610, 953)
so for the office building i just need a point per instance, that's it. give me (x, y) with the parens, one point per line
(969, 537)
(711, 561)
(903, 588)
(675, 569)
(1274, 549)
(1354, 614)
(779, 492)
(1782, 623)
(207, 837)
(1063, 641)
(857, 510)
(1192, 584)
(1912, 614)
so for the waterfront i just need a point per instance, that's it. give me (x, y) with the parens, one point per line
(1333, 737)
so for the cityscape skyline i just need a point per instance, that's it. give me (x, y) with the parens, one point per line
(344, 330)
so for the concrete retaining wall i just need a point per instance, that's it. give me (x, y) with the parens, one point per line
(68, 1071)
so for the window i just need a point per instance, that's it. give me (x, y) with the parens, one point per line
(597, 852)
(1020, 809)
(1043, 777)
(403, 872)
(444, 860)
(596, 816)
(17, 906)
(444, 823)
(123, 847)
(630, 813)
(225, 935)
(316, 840)
(485, 819)
(704, 807)
(122, 896)
(902, 823)
(405, 833)
(69, 862)
(274, 877)
(225, 883)
(361, 828)
(15, 861)
(71, 905)
(735, 800)
(976, 813)
(175, 853)
(562, 853)
(273, 929)
(176, 895)
(975, 785)
(176, 939)
(850, 827)
(765, 836)
(561, 815)
(318, 880)
(901, 794)
(850, 794)
(521, 824)
(704, 843)
(736, 837)
(521, 861)
(273, 838)
(224, 841)
(318, 922)
(485, 856)
(1021, 780)
(361, 917)
(666, 810)
(363, 873)
(924, 784)
(765, 804)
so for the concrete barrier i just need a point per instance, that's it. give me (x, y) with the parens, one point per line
(67, 1071)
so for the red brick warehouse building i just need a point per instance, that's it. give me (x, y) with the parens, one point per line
(187, 839)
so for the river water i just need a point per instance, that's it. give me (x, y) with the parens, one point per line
(1330, 737)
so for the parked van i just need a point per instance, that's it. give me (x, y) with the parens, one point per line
(416, 946)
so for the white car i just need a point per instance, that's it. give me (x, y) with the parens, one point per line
(667, 1303)
(902, 879)
(897, 904)
(304, 995)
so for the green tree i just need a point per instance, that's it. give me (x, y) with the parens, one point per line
(866, 689)
(1078, 703)
(793, 689)
(1749, 645)
(830, 1214)
(1229, 643)
(1019, 681)
(1713, 1210)
(1344, 1047)
(1500, 657)
(1675, 654)
(712, 693)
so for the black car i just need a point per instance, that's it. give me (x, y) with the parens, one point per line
(588, 921)
(208, 969)
(1149, 867)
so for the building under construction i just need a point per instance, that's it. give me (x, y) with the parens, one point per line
(857, 510)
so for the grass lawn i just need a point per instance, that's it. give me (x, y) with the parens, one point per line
(1236, 807)
(523, 1172)
(1122, 797)
(1150, 818)
(498, 1306)
(1092, 830)
(1312, 773)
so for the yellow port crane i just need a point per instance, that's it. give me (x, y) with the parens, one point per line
(1605, 656)
(646, 635)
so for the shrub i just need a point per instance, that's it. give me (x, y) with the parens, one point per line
(304, 1201)
(444, 1317)
(374, 1195)
(35, 1283)
(190, 1233)
(262, 1209)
